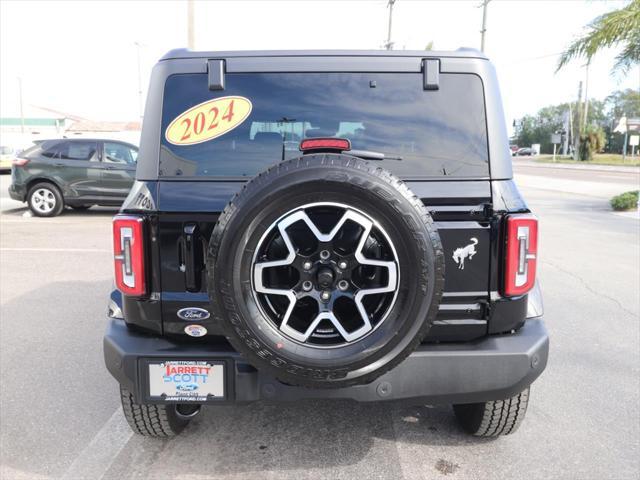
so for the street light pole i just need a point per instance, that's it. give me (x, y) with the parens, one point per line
(190, 32)
(21, 110)
(389, 44)
(577, 133)
(484, 23)
(137, 44)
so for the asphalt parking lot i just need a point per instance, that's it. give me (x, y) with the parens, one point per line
(60, 415)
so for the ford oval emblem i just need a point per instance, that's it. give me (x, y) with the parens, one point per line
(193, 313)
(187, 387)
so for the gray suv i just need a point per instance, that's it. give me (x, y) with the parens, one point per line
(77, 173)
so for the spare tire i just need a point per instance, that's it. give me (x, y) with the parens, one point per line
(325, 271)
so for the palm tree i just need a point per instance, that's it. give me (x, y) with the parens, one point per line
(619, 27)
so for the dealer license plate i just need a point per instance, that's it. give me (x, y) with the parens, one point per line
(191, 381)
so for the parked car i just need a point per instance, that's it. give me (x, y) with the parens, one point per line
(7, 155)
(77, 173)
(358, 266)
(524, 152)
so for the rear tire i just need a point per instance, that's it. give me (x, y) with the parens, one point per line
(495, 418)
(152, 420)
(45, 200)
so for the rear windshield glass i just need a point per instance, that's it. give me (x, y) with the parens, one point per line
(420, 132)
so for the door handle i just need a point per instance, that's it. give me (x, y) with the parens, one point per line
(191, 257)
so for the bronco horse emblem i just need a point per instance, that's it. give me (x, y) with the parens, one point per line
(462, 253)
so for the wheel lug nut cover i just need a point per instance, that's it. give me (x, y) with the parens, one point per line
(343, 285)
(324, 254)
(342, 264)
(307, 265)
(306, 285)
(326, 295)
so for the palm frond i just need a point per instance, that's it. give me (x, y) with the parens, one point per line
(617, 27)
(628, 57)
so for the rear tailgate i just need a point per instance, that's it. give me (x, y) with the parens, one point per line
(459, 209)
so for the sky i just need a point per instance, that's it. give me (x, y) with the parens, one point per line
(81, 57)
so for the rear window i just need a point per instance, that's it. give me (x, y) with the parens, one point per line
(422, 133)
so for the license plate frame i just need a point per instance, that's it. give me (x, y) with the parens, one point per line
(157, 390)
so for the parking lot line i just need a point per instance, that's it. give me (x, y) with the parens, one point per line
(97, 457)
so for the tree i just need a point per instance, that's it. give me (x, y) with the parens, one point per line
(619, 27)
(551, 119)
(593, 141)
(602, 118)
(618, 104)
(623, 102)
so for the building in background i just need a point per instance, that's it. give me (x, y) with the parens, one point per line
(126, 131)
(40, 123)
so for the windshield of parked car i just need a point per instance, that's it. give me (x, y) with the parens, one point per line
(434, 132)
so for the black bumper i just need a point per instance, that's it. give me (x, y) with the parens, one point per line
(17, 192)
(493, 368)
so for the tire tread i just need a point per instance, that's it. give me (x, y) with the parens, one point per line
(149, 420)
(498, 417)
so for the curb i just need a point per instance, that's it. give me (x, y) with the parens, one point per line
(565, 166)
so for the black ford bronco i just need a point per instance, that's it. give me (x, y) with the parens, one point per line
(325, 224)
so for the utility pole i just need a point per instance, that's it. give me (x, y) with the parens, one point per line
(138, 45)
(389, 44)
(484, 23)
(586, 100)
(190, 32)
(21, 111)
(576, 135)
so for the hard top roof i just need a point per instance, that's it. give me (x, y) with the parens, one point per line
(459, 53)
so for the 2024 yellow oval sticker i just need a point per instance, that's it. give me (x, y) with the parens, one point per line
(208, 120)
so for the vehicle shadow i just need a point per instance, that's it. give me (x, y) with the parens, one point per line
(299, 438)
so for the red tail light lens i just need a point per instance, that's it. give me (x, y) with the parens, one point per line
(340, 144)
(521, 254)
(19, 162)
(128, 255)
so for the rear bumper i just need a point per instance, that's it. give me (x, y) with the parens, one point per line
(17, 192)
(493, 368)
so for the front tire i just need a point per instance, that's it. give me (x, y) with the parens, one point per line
(152, 420)
(494, 418)
(45, 200)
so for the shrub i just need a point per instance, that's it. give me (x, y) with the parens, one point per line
(592, 142)
(625, 201)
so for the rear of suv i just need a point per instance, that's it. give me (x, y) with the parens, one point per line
(77, 173)
(325, 225)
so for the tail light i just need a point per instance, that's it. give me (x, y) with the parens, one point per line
(340, 144)
(19, 162)
(128, 255)
(521, 254)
